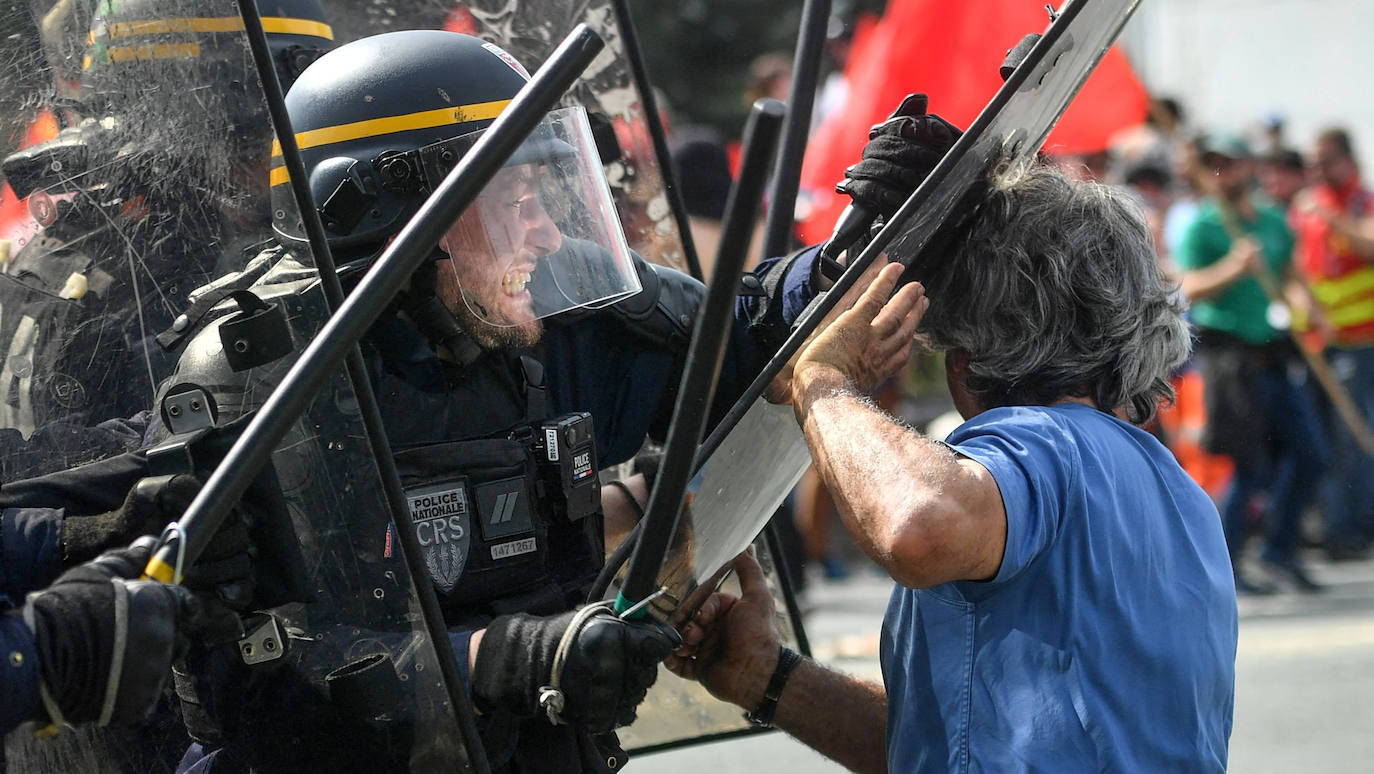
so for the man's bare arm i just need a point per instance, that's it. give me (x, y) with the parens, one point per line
(1211, 281)
(1358, 231)
(926, 514)
(839, 716)
(731, 647)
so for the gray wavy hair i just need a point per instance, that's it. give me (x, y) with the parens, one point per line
(1054, 291)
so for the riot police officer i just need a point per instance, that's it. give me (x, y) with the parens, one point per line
(155, 188)
(530, 350)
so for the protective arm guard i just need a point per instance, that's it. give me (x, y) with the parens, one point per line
(775, 294)
(772, 297)
(663, 312)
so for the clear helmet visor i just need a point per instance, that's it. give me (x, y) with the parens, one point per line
(543, 236)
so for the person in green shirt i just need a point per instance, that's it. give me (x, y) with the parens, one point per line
(1236, 260)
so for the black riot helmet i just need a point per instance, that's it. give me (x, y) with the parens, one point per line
(198, 42)
(172, 93)
(373, 99)
(380, 121)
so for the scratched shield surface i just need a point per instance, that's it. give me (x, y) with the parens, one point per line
(134, 143)
(676, 711)
(529, 30)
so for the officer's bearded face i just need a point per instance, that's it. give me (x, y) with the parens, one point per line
(493, 250)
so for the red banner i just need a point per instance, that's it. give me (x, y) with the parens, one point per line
(952, 52)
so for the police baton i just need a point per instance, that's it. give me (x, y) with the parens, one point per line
(185, 538)
(801, 99)
(715, 320)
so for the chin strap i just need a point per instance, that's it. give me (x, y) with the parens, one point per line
(433, 317)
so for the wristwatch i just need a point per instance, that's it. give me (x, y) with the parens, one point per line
(762, 715)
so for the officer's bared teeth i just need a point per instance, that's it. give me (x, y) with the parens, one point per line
(514, 282)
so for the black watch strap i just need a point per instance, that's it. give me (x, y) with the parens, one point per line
(762, 715)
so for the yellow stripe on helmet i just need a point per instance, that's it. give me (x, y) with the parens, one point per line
(282, 25)
(277, 25)
(146, 52)
(373, 127)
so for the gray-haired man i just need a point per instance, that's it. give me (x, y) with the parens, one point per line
(1065, 599)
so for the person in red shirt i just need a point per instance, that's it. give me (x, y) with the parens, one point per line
(1334, 224)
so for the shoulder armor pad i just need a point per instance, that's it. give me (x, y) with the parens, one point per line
(664, 312)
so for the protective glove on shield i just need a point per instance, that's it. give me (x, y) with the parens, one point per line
(586, 668)
(105, 641)
(900, 153)
(224, 572)
(149, 506)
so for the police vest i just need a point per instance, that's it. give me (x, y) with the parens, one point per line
(507, 520)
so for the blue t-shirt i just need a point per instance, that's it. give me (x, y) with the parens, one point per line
(1107, 640)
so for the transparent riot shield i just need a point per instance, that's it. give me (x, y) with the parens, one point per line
(757, 455)
(676, 711)
(635, 161)
(119, 200)
(680, 712)
(135, 149)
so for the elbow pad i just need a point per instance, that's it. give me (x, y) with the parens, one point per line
(664, 311)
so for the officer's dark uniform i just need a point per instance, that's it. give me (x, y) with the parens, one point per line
(498, 449)
(29, 560)
(70, 364)
(137, 209)
(481, 423)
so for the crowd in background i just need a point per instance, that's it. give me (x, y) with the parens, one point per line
(1273, 247)
(1270, 243)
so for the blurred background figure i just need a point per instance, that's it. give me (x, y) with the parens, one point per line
(701, 166)
(1153, 185)
(1334, 220)
(1258, 415)
(1271, 139)
(770, 75)
(1282, 173)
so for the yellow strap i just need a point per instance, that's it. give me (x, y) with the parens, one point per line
(277, 176)
(425, 119)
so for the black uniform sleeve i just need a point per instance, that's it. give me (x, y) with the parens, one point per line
(30, 551)
(762, 324)
(18, 672)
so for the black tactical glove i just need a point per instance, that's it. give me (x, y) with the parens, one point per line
(146, 510)
(224, 571)
(105, 642)
(586, 668)
(900, 152)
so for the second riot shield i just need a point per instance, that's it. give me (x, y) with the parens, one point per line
(137, 314)
(756, 456)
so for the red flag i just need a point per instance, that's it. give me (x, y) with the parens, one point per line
(952, 52)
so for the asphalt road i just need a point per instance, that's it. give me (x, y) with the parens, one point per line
(1304, 679)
